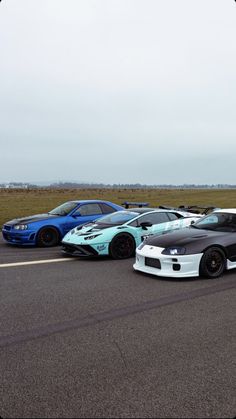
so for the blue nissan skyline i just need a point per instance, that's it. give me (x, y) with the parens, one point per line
(46, 230)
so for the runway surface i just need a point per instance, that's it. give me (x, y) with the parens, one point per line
(92, 338)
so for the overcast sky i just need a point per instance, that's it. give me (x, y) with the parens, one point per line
(118, 91)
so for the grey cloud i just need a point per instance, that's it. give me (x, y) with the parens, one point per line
(143, 90)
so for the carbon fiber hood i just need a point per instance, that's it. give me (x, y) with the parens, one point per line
(31, 219)
(188, 236)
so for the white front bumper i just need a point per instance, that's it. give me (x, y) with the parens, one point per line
(188, 265)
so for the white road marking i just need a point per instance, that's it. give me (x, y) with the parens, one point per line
(33, 262)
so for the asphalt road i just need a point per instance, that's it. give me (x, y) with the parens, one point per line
(92, 338)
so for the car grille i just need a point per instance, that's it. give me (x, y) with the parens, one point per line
(78, 250)
(154, 263)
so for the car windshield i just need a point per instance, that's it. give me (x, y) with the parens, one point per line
(117, 218)
(221, 221)
(64, 209)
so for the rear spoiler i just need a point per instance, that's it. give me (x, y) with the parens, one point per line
(127, 204)
(196, 209)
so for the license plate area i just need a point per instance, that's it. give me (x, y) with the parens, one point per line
(154, 263)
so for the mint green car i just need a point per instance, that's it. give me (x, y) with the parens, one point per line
(118, 234)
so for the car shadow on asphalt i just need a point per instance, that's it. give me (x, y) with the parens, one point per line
(227, 274)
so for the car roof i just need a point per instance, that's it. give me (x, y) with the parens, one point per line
(144, 210)
(90, 201)
(228, 210)
(140, 210)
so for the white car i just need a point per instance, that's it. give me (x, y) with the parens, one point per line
(206, 248)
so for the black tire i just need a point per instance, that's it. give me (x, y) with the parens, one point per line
(122, 246)
(48, 237)
(213, 263)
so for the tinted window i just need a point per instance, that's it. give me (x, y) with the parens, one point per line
(217, 221)
(134, 223)
(154, 218)
(88, 209)
(107, 209)
(118, 218)
(64, 209)
(172, 216)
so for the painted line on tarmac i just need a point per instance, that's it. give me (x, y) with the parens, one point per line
(33, 262)
(117, 313)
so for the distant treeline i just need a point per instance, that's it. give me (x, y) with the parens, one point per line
(74, 185)
(69, 185)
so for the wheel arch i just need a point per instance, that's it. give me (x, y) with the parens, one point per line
(121, 233)
(50, 226)
(203, 269)
(220, 246)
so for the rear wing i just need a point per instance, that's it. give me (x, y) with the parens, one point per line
(195, 209)
(127, 204)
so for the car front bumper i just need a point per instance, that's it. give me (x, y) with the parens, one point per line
(78, 250)
(24, 237)
(83, 248)
(183, 266)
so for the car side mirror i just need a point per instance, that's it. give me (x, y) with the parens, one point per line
(192, 222)
(76, 215)
(145, 225)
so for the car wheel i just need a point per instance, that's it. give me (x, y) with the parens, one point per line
(213, 263)
(48, 237)
(122, 246)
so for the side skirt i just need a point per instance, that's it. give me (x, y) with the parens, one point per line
(230, 265)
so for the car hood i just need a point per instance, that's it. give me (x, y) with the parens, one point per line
(31, 219)
(186, 237)
(93, 228)
(78, 234)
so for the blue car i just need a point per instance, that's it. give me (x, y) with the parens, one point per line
(46, 230)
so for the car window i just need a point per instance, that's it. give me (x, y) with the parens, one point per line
(134, 223)
(88, 209)
(107, 209)
(173, 216)
(154, 218)
(64, 209)
(117, 218)
(217, 221)
(211, 219)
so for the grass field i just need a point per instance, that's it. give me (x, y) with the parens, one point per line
(20, 202)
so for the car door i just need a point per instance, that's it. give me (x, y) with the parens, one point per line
(158, 221)
(87, 212)
(177, 221)
(169, 221)
(81, 215)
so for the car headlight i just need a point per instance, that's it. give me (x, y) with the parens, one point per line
(20, 227)
(175, 250)
(91, 237)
